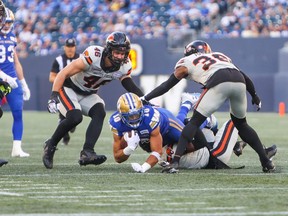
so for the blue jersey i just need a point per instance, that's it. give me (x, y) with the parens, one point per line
(7, 45)
(170, 126)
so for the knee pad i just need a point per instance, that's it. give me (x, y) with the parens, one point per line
(74, 117)
(97, 111)
(239, 123)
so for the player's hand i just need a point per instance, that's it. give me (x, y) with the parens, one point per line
(12, 81)
(26, 90)
(146, 102)
(256, 100)
(137, 167)
(172, 168)
(163, 163)
(53, 102)
(132, 139)
(140, 168)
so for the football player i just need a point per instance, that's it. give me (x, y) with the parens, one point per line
(222, 81)
(59, 63)
(153, 128)
(12, 72)
(4, 90)
(74, 93)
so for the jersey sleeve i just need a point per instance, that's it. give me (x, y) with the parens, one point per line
(115, 124)
(92, 55)
(55, 67)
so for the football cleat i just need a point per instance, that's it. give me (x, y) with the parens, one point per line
(189, 100)
(271, 151)
(90, 157)
(172, 168)
(3, 162)
(66, 139)
(268, 167)
(238, 148)
(48, 155)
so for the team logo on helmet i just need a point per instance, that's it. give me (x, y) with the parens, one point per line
(130, 109)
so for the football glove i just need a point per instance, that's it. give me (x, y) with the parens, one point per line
(256, 101)
(26, 90)
(133, 140)
(5, 89)
(11, 80)
(53, 102)
(140, 168)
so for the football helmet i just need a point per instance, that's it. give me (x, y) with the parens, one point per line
(130, 108)
(9, 21)
(117, 41)
(2, 14)
(197, 46)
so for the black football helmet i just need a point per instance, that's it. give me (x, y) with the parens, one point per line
(2, 14)
(117, 41)
(197, 46)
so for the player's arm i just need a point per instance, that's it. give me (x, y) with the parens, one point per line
(156, 147)
(179, 73)
(119, 144)
(130, 86)
(18, 66)
(20, 75)
(74, 67)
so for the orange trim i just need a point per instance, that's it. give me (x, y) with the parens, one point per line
(65, 100)
(225, 140)
(200, 98)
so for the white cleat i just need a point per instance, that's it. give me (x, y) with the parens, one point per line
(17, 150)
(19, 153)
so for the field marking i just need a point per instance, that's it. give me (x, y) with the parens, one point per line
(10, 193)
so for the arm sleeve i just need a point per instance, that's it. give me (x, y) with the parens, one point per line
(163, 88)
(130, 86)
(249, 85)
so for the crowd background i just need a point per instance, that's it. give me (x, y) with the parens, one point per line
(42, 26)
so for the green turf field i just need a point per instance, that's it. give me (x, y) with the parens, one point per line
(27, 187)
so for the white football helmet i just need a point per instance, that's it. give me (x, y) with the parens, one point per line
(9, 22)
(130, 108)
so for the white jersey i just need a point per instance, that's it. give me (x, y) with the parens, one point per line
(90, 79)
(202, 66)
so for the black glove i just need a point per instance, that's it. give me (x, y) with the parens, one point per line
(256, 100)
(146, 102)
(5, 89)
(172, 168)
(53, 102)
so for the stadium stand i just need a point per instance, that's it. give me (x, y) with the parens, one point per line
(46, 24)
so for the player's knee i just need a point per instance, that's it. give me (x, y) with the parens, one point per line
(74, 117)
(97, 111)
(239, 123)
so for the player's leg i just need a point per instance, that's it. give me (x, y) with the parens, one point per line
(15, 101)
(71, 109)
(66, 137)
(238, 105)
(225, 140)
(94, 107)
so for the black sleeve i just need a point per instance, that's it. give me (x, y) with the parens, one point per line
(163, 88)
(249, 85)
(55, 67)
(130, 86)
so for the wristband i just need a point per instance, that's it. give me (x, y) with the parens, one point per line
(146, 166)
(127, 151)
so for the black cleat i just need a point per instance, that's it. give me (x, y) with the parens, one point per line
(269, 167)
(90, 157)
(48, 154)
(3, 162)
(66, 139)
(271, 151)
(238, 148)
